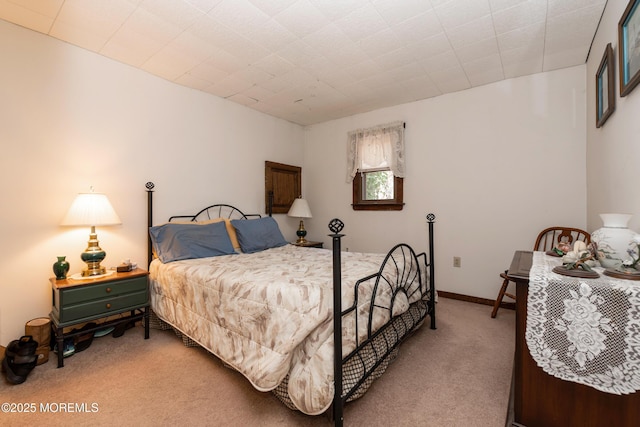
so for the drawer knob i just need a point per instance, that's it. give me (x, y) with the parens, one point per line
(108, 290)
(108, 305)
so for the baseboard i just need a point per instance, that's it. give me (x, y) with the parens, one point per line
(476, 300)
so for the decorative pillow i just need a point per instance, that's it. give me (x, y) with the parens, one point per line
(255, 235)
(173, 242)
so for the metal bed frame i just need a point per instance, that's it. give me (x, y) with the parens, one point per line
(383, 342)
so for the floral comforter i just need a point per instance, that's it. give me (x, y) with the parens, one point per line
(269, 314)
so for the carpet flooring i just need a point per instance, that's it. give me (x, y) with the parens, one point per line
(457, 375)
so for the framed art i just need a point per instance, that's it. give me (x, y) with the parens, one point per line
(629, 42)
(605, 87)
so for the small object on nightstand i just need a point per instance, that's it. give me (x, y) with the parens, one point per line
(309, 244)
(124, 267)
(61, 268)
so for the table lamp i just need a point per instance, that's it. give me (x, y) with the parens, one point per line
(92, 209)
(300, 209)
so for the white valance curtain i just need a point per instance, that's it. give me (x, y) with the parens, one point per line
(375, 148)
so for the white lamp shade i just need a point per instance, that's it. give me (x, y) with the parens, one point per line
(300, 209)
(91, 209)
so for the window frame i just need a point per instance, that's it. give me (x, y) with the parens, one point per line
(361, 204)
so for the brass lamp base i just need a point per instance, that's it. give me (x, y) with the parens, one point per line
(93, 256)
(301, 233)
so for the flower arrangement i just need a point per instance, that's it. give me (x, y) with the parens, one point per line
(582, 256)
(634, 254)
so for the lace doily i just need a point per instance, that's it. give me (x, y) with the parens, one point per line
(584, 330)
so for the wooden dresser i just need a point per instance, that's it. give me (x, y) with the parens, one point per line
(542, 400)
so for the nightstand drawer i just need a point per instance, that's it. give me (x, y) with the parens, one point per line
(103, 290)
(104, 306)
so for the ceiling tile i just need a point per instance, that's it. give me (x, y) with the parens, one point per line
(450, 80)
(334, 10)
(131, 47)
(203, 5)
(271, 35)
(327, 39)
(241, 15)
(419, 27)
(242, 99)
(522, 15)
(432, 46)
(258, 93)
(498, 5)
(274, 65)
(471, 32)
(455, 13)
(272, 7)
(361, 23)
(443, 61)
(38, 16)
(481, 49)
(532, 35)
(208, 72)
(421, 87)
(379, 43)
(394, 15)
(484, 70)
(559, 7)
(290, 18)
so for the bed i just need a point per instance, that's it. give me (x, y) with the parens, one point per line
(265, 307)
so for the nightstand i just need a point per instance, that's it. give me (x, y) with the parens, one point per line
(83, 300)
(309, 244)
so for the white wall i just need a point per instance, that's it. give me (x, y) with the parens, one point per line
(70, 119)
(496, 164)
(613, 151)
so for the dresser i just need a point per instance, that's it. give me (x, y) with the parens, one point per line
(542, 400)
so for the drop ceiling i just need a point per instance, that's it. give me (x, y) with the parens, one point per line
(310, 61)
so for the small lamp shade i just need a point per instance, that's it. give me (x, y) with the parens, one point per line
(300, 209)
(92, 209)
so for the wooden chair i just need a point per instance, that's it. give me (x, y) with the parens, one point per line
(546, 240)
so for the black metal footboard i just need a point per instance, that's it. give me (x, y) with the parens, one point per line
(403, 276)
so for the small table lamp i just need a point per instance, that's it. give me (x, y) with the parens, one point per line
(300, 209)
(92, 209)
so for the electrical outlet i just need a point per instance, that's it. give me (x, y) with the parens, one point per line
(456, 261)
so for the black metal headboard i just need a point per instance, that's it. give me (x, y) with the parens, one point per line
(215, 211)
(210, 212)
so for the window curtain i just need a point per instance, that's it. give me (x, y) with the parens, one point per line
(375, 148)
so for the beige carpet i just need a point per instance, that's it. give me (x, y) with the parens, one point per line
(457, 375)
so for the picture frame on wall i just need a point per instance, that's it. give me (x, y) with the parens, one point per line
(605, 87)
(629, 46)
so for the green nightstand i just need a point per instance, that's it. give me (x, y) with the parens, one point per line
(81, 301)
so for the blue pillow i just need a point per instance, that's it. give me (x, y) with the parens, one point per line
(255, 235)
(173, 242)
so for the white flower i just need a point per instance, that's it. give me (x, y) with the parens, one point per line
(588, 341)
(636, 239)
(581, 310)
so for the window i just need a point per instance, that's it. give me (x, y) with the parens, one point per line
(376, 167)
